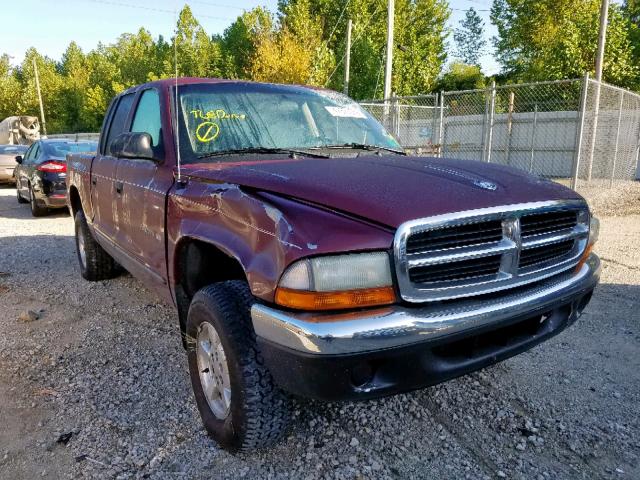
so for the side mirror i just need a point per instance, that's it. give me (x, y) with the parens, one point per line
(19, 159)
(134, 145)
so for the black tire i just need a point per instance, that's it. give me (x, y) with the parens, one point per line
(36, 210)
(97, 264)
(259, 411)
(20, 199)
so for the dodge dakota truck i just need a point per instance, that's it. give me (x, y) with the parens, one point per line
(306, 254)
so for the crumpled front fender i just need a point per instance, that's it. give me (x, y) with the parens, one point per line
(264, 232)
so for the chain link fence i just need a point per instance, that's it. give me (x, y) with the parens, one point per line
(581, 132)
(412, 120)
(609, 136)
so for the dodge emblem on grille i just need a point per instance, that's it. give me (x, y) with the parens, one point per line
(485, 185)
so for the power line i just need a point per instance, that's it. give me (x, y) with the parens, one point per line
(336, 25)
(477, 2)
(354, 41)
(466, 9)
(153, 9)
(209, 4)
(375, 90)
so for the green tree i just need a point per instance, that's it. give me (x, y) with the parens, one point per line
(238, 43)
(198, 55)
(73, 90)
(461, 76)
(421, 30)
(469, 38)
(136, 57)
(420, 35)
(556, 39)
(631, 11)
(105, 81)
(51, 83)
(10, 88)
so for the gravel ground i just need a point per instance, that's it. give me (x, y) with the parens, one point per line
(97, 387)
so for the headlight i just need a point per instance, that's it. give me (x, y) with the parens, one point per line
(594, 232)
(337, 282)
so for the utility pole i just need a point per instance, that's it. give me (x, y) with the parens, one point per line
(44, 124)
(389, 64)
(347, 60)
(602, 38)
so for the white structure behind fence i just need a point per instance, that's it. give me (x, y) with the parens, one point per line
(579, 130)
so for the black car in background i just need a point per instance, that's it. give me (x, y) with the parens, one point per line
(8, 155)
(40, 174)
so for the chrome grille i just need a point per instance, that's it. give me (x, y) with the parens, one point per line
(540, 223)
(486, 250)
(465, 269)
(545, 253)
(464, 235)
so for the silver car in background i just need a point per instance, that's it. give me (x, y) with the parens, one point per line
(8, 163)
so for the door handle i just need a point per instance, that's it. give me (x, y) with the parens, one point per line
(119, 186)
(93, 181)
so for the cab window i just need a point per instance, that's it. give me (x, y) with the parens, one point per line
(147, 117)
(119, 120)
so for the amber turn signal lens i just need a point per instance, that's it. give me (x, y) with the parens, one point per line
(585, 256)
(305, 300)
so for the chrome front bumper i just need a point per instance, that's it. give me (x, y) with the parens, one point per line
(376, 329)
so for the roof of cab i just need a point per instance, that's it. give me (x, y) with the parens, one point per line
(170, 82)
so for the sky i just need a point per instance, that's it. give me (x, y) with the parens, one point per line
(50, 25)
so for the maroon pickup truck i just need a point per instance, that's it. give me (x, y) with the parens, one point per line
(307, 254)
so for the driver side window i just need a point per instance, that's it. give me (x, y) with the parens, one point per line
(147, 116)
(119, 119)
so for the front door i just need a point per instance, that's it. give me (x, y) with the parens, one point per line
(25, 170)
(142, 188)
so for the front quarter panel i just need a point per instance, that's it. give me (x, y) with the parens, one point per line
(265, 233)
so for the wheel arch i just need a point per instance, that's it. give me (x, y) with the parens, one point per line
(74, 200)
(198, 263)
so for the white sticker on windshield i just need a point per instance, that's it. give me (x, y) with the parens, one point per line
(348, 111)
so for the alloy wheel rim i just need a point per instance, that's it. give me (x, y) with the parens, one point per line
(213, 370)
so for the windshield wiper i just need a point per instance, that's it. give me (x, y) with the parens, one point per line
(364, 146)
(249, 150)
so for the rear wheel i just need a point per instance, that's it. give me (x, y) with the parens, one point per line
(36, 210)
(241, 407)
(95, 263)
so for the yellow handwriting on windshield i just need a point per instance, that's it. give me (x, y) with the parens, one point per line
(207, 132)
(218, 114)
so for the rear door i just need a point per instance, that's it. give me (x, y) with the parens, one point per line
(103, 170)
(141, 194)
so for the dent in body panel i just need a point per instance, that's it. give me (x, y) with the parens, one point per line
(263, 232)
(241, 225)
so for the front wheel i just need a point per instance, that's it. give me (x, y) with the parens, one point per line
(241, 407)
(20, 199)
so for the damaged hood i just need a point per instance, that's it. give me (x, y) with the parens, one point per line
(388, 190)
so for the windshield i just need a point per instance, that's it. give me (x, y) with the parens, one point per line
(233, 116)
(61, 149)
(12, 149)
